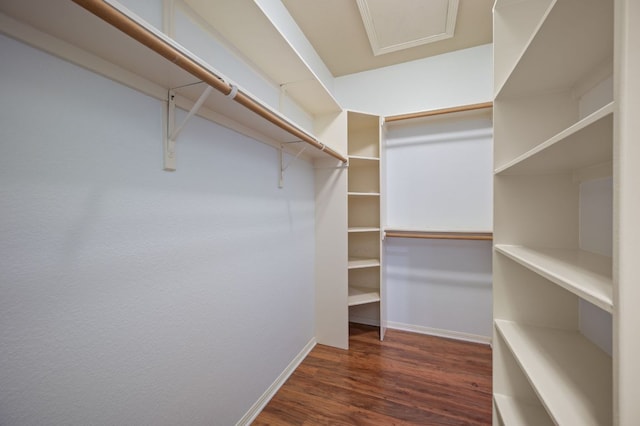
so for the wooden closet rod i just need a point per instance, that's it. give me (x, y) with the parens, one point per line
(138, 32)
(421, 114)
(431, 235)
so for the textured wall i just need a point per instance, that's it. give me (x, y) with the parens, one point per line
(129, 295)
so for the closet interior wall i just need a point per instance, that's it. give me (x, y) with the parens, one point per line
(438, 184)
(158, 317)
(124, 285)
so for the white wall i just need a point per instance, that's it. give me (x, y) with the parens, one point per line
(439, 286)
(439, 173)
(130, 295)
(452, 79)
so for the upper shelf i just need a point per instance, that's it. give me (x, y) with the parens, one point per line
(587, 142)
(585, 274)
(553, 56)
(143, 56)
(269, 49)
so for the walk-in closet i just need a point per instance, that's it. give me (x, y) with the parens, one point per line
(237, 212)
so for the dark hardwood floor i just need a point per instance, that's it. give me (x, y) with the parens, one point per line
(408, 379)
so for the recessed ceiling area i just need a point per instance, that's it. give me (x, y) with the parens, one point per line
(405, 30)
(391, 28)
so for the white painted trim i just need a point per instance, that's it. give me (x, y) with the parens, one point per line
(259, 405)
(450, 334)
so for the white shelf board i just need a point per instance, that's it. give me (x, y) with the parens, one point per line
(438, 230)
(356, 229)
(361, 296)
(362, 161)
(69, 23)
(363, 194)
(570, 375)
(588, 142)
(585, 274)
(273, 55)
(555, 57)
(520, 413)
(358, 263)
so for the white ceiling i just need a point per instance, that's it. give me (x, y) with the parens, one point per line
(389, 32)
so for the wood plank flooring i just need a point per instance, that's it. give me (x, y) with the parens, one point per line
(408, 379)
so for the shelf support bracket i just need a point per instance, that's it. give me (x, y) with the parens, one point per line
(173, 131)
(284, 167)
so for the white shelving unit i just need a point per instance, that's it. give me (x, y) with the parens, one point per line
(565, 93)
(366, 286)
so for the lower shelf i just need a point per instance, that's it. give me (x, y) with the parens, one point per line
(361, 296)
(518, 413)
(356, 263)
(572, 377)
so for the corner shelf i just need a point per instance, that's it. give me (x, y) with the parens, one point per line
(587, 142)
(362, 160)
(585, 274)
(520, 413)
(356, 229)
(363, 194)
(359, 263)
(365, 280)
(362, 296)
(572, 377)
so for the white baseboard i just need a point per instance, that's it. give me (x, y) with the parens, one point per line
(256, 408)
(457, 335)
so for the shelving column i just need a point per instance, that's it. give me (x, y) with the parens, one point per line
(366, 286)
(554, 148)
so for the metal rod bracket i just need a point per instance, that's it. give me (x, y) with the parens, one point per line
(173, 131)
(284, 167)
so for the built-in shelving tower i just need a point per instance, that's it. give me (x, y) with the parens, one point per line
(563, 88)
(366, 286)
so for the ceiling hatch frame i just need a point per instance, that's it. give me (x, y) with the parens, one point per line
(379, 49)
